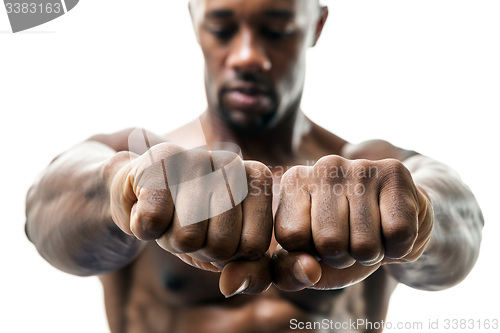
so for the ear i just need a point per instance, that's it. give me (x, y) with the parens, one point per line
(323, 15)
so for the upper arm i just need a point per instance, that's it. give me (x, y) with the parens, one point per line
(375, 150)
(121, 141)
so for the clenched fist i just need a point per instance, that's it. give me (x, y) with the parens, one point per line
(339, 220)
(191, 203)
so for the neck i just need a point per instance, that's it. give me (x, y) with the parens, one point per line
(277, 144)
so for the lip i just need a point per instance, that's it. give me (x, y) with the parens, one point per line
(248, 88)
(241, 100)
(248, 97)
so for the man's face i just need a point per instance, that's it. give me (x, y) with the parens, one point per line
(255, 56)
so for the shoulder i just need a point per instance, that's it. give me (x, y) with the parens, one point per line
(374, 150)
(136, 140)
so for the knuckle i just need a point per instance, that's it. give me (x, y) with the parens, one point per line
(259, 178)
(294, 177)
(150, 177)
(404, 215)
(331, 167)
(164, 149)
(366, 250)
(331, 247)
(395, 170)
(224, 158)
(291, 174)
(297, 172)
(257, 170)
(292, 239)
(187, 241)
(329, 160)
(399, 235)
(148, 226)
(364, 170)
(219, 251)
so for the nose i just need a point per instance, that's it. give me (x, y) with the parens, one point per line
(246, 55)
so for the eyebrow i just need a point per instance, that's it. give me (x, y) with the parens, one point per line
(279, 13)
(220, 13)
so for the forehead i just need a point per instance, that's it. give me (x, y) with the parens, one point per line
(250, 8)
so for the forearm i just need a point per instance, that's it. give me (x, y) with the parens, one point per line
(68, 214)
(455, 240)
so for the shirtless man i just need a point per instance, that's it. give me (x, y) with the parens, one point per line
(292, 252)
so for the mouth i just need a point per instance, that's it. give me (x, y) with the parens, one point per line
(248, 97)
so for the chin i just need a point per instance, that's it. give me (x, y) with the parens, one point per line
(249, 121)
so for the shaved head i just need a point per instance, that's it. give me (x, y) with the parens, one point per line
(314, 5)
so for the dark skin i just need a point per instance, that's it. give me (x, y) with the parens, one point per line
(291, 249)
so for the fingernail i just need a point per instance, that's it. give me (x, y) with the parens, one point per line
(300, 274)
(244, 286)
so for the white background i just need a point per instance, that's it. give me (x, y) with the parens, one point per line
(424, 75)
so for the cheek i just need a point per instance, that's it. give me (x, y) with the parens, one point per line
(289, 68)
(213, 62)
(214, 68)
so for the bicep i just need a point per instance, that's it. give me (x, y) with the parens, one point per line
(125, 140)
(375, 150)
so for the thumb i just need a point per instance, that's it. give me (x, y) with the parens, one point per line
(246, 277)
(293, 271)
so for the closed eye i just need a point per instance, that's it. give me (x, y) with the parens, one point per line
(276, 34)
(223, 33)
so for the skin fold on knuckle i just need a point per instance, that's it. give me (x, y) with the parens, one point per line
(292, 237)
(259, 179)
(331, 247)
(366, 251)
(399, 240)
(219, 248)
(294, 175)
(328, 163)
(186, 241)
(395, 177)
(146, 226)
(400, 226)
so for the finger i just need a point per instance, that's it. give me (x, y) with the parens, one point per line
(246, 277)
(204, 265)
(398, 212)
(257, 212)
(223, 236)
(122, 198)
(151, 214)
(287, 275)
(330, 229)
(426, 224)
(183, 239)
(293, 216)
(225, 216)
(332, 278)
(365, 231)
(293, 271)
